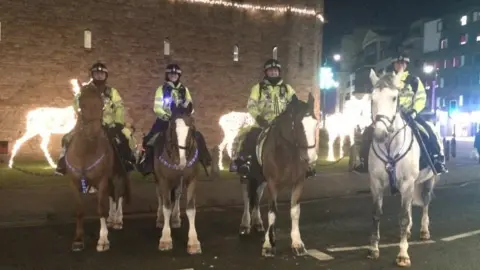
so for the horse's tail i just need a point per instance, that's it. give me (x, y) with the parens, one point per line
(252, 185)
(423, 192)
(127, 193)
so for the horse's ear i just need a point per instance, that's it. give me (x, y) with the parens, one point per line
(373, 77)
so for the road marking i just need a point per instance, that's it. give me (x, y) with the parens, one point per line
(339, 249)
(462, 235)
(319, 255)
(188, 269)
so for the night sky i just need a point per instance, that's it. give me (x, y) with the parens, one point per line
(344, 15)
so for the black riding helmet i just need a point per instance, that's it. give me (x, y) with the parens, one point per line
(401, 58)
(173, 69)
(96, 68)
(272, 63)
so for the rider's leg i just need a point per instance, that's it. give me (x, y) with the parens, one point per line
(367, 138)
(204, 154)
(145, 165)
(237, 150)
(61, 164)
(435, 146)
(248, 150)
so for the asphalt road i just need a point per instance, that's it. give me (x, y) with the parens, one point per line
(324, 224)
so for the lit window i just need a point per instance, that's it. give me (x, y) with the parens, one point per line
(455, 62)
(275, 53)
(445, 63)
(462, 60)
(444, 43)
(235, 53)
(463, 20)
(478, 37)
(166, 46)
(87, 39)
(476, 16)
(463, 39)
(442, 83)
(438, 102)
(460, 100)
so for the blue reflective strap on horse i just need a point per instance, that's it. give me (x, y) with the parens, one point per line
(83, 181)
(176, 166)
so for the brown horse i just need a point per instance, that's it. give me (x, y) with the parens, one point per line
(176, 166)
(91, 162)
(289, 147)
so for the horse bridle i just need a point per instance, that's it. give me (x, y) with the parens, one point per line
(294, 137)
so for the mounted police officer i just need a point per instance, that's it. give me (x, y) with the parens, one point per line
(268, 99)
(113, 120)
(412, 100)
(172, 92)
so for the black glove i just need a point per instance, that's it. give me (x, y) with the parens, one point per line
(412, 113)
(261, 122)
(118, 127)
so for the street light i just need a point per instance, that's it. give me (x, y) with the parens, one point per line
(337, 57)
(428, 69)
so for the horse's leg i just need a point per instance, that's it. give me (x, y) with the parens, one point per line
(257, 217)
(193, 246)
(103, 244)
(111, 212)
(176, 220)
(376, 188)
(245, 224)
(165, 242)
(297, 244)
(268, 249)
(118, 223)
(427, 197)
(403, 259)
(77, 244)
(159, 208)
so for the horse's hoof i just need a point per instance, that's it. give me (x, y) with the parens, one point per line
(299, 250)
(268, 252)
(165, 245)
(403, 261)
(77, 246)
(176, 224)
(118, 225)
(244, 231)
(259, 228)
(373, 254)
(194, 249)
(101, 247)
(425, 235)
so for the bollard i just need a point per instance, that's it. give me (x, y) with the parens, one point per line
(453, 147)
(446, 148)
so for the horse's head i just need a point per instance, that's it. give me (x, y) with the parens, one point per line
(384, 103)
(301, 124)
(90, 103)
(180, 113)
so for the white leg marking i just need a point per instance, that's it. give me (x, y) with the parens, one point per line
(246, 219)
(166, 239)
(271, 220)
(112, 208)
(319, 255)
(103, 244)
(295, 233)
(118, 224)
(424, 229)
(194, 246)
(182, 132)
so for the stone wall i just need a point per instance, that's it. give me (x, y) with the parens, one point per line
(41, 49)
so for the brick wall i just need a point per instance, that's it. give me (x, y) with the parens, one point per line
(41, 49)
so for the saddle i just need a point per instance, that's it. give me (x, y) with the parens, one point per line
(425, 138)
(259, 145)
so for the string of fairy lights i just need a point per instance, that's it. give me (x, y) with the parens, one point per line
(280, 9)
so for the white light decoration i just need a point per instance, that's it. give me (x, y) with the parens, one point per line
(87, 39)
(252, 7)
(428, 69)
(46, 121)
(356, 112)
(231, 123)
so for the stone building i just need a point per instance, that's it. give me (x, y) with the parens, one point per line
(42, 47)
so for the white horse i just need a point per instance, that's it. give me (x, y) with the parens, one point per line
(231, 123)
(394, 159)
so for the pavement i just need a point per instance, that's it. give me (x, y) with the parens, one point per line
(334, 231)
(39, 205)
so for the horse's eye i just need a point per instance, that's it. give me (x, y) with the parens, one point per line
(394, 99)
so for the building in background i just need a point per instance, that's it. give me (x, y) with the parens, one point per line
(452, 65)
(220, 48)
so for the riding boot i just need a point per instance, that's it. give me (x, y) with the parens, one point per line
(61, 164)
(145, 165)
(311, 172)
